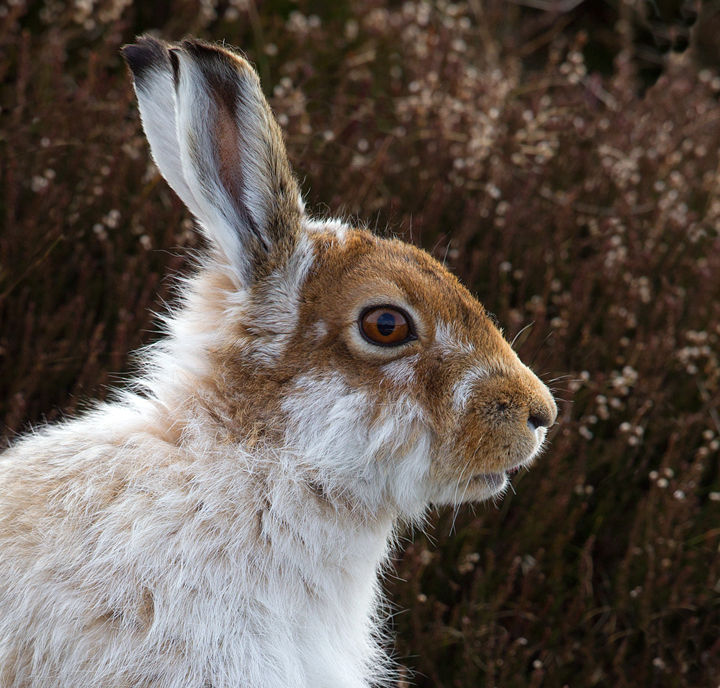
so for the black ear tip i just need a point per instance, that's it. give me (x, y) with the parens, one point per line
(147, 54)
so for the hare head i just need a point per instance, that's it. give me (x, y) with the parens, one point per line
(364, 354)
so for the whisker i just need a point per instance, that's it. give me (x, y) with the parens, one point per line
(434, 248)
(467, 484)
(547, 358)
(455, 500)
(555, 379)
(552, 332)
(512, 343)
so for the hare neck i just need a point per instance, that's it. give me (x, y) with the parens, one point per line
(305, 570)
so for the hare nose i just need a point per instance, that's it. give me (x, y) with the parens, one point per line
(541, 418)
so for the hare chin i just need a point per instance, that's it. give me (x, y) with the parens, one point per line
(485, 485)
(477, 488)
(492, 484)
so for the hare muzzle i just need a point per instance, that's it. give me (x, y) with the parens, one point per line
(504, 424)
(500, 414)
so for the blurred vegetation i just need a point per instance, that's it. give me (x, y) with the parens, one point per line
(561, 156)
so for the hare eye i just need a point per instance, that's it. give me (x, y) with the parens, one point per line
(386, 326)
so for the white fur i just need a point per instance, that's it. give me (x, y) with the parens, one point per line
(290, 605)
(487, 486)
(451, 343)
(274, 319)
(334, 226)
(401, 371)
(462, 391)
(379, 465)
(157, 105)
(319, 331)
(540, 437)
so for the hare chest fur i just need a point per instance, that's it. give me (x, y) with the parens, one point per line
(224, 521)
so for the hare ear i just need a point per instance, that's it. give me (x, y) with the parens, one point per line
(215, 140)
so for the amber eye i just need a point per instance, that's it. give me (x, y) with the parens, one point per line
(386, 326)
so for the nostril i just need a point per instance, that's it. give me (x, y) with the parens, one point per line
(536, 421)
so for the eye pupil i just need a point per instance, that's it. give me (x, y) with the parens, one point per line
(386, 324)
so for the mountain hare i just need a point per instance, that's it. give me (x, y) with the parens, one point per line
(223, 523)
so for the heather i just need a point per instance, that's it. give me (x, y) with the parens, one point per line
(570, 180)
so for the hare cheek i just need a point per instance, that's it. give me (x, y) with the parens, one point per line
(327, 422)
(402, 372)
(362, 452)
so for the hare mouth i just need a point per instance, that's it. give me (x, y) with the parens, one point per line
(495, 481)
